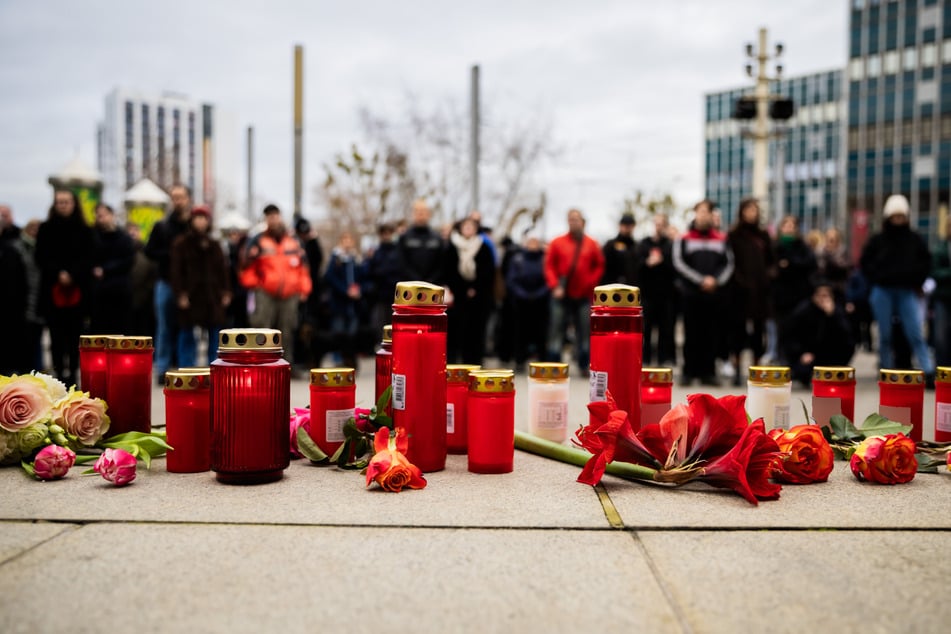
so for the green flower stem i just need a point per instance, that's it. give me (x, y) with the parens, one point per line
(541, 447)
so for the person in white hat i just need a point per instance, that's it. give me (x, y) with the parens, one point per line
(896, 262)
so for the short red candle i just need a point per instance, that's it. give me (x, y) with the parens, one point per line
(384, 367)
(902, 398)
(617, 348)
(332, 399)
(419, 372)
(491, 412)
(942, 404)
(457, 401)
(188, 420)
(656, 394)
(250, 406)
(833, 392)
(93, 365)
(129, 384)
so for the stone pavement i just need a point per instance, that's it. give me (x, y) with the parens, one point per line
(530, 551)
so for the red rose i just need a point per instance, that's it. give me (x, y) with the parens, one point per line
(885, 459)
(807, 456)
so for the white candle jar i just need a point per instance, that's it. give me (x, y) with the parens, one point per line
(768, 396)
(548, 400)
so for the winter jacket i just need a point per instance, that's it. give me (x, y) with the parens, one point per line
(344, 269)
(620, 261)
(896, 257)
(587, 271)
(277, 265)
(159, 246)
(525, 278)
(942, 271)
(385, 270)
(423, 253)
(754, 268)
(199, 270)
(484, 282)
(795, 268)
(827, 337)
(64, 244)
(702, 253)
(658, 279)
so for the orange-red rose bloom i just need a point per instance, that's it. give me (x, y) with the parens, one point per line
(885, 459)
(389, 467)
(807, 456)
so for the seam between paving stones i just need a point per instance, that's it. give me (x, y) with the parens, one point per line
(70, 527)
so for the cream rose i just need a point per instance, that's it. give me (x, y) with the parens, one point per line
(82, 417)
(24, 400)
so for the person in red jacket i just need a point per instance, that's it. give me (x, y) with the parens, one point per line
(574, 265)
(277, 270)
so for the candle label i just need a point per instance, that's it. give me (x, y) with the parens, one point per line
(450, 418)
(599, 386)
(552, 414)
(824, 408)
(399, 391)
(781, 417)
(898, 414)
(334, 422)
(942, 419)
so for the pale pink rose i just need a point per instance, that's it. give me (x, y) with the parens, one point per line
(116, 466)
(82, 417)
(24, 400)
(53, 462)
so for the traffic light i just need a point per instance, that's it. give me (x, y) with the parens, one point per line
(781, 109)
(745, 108)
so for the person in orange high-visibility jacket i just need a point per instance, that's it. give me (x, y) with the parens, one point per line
(276, 269)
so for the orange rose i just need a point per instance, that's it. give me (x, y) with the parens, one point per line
(807, 455)
(885, 459)
(389, 466)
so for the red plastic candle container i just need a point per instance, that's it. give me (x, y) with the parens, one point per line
(457, 400)
(333, 394)
(419, 371)
(188, 420)
(384, 367)
(616, 349)
(902, 398)
(129, 384)
(942, 404)
(93, 369)
(491, 412)
(250, 405)
(833, 392)
(656, 394)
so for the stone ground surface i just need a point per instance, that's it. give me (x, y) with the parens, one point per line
(529, 551)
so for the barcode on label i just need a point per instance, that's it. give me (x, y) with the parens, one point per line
(599, 386)
(450, 418)
(399, 391)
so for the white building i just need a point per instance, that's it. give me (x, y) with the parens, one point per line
(169, 139)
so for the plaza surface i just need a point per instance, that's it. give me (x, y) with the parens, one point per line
(529, 551)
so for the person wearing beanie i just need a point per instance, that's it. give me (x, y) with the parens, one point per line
(896, 263)
(620, 254)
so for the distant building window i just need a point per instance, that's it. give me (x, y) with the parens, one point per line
(929, 55)
(874, 66)
(857, 69)
(891, 62)
(910, 59)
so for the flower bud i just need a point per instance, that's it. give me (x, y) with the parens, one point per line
(116, 466)
(56, 429)
(53, 462)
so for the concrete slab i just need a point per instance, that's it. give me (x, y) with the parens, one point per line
(215, 578)
(842, 502)
(17, 537)
(806, 581)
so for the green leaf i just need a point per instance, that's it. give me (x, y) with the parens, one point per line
(28, 467)
(86, 459)
(336, 457)
(384, 399)
(307, 446)
(843, 429)
(929, 464)
(805, 412)
(878, 425)
(143, 455)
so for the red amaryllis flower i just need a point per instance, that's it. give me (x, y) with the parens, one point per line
(609, 437)
(746, 467)
(389, 466)
(806, 455)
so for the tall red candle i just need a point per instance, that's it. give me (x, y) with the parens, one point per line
(384, 367)
(616, 348)
(656, 394)
(188, 420)
(491, 411)
(942, 404)
(250, 404)
(419, 371)
(129, 384)
(93, 366)
(833, 392)
(902, 398)
(332, 399)
(457, 400)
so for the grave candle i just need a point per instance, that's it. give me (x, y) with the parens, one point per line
(616, 348)
(332, 399)
(902, 398)
(491, 421)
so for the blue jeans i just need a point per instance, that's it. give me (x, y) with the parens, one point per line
(889, 301)
(166, 326)
(577, 311)
(188, 346)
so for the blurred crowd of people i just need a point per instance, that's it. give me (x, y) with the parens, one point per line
(785, 298)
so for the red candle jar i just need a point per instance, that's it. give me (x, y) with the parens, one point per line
(332, 399)
(384, 367)
(656, 394)
(833, 392)
(93, 369)
(491, 413)
(942, 404)
(902, 398)
(457, 400)
(419, 371)
(188, 420)
(616, 348)
(250, 405)
(129, 384)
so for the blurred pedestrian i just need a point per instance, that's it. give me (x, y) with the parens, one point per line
(111, 306)
(421, 248)
(144, 274)
(346, 281)
(14, 293)
(941, 302)
(530, 296)
(385, 270)
(33, 335)
(620, 254)
(818, 334)
(795, 270)
(658, 294)
(833, 262)
(470, 275)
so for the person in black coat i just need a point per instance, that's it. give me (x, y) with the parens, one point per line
(422, 249)
(385, 270)
(470, 272)
(818, 333)
(526, 286)
(795, 268)
(14, 355)
(620, 254)
(658, 294)
(111, 308)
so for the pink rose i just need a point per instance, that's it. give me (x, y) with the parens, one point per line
(82, 417)
(53, 462)
(24, 400)
(300, 418)
(116, 466)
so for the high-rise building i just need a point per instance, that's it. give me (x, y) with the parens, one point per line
(169, 139)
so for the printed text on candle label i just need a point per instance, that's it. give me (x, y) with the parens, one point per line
(399, 391)
(552, 414)
(599, 386)
(942, 419)
(334, 422)
(450, 418)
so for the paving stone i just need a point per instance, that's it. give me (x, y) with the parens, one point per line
(17, 537)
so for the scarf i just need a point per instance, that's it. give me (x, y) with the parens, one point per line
(467, 249)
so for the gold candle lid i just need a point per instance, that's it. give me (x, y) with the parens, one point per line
(194, 370)
(187, 379)
(901, 377)
(548, 371)
(388, 333)
(332, 377)
(263, 339)
(419, 294)
(496, 381)
(833, 374)
(459, 372)
(617, 295)
(657, 375)
(770, 374)
(95, 341)
(942, 374)
(120, 342)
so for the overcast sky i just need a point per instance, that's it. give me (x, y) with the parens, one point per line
(621, 81)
